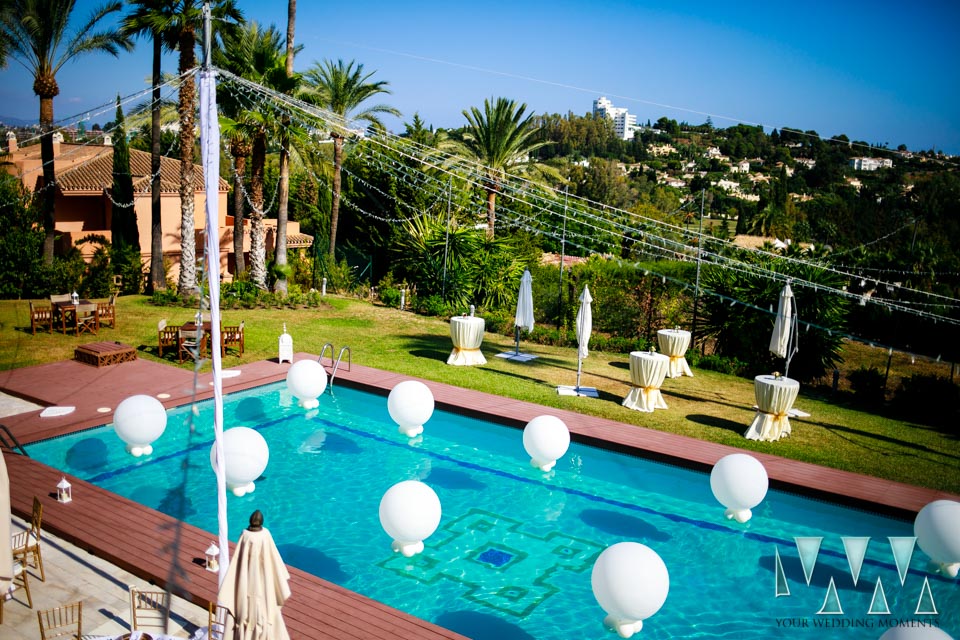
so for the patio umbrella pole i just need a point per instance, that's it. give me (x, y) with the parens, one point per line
(516, 332)
(579, 369)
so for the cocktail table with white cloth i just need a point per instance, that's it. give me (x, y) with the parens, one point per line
(647, 371)
(674, 344)
(775, 396)
(466, 332)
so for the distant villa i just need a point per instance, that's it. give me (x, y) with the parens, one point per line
(624, 123)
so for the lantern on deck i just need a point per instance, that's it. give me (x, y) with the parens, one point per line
(212, 557)
(64, 491)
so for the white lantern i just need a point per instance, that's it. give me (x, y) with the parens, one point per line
(139, 421)
(212, 556)
(915, 633)
(631, 582)
(739, 482)
(410, 404)
(307, 380)
(64, 491)
(409, 513)
(937, 528)
(546, 439)
(245, 457)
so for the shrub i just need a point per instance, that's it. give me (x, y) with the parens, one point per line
(433, 306)
(164, 298)
(867, 385)
(719, 363)
(390, 296)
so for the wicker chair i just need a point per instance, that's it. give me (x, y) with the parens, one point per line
(61, 622)
(40, 316)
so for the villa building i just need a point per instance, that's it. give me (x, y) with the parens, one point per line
(870, 164)
(83, 204)
(624, 123)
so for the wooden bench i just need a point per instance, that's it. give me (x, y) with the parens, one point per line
(101, 354)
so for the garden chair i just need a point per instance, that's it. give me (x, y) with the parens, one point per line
(217, 622)
(56, 299)
(232, 337)
(88, 319)
(188, 344)
(27, 543)
(40, 316)
(20, 581)
(149, 610)
(107, 312)
(167, 336)
(61, 622)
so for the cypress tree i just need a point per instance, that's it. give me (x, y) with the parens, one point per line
(124, 222)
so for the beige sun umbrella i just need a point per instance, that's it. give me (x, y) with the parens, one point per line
(256, 586)
(6, 554)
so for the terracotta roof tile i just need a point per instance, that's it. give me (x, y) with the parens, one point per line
(96, 174)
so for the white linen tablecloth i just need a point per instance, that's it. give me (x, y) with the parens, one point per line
(775, 397)
(674, 344)
(466, 332)
(647, 371)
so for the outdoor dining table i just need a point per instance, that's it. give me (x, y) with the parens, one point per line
(466, 332)
(673, 344)
(67, 311)
(647, 371)
(775, 396)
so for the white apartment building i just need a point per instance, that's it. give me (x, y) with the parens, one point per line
(624, 123)
(871, 164)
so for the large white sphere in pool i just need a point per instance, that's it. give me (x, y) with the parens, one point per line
(245, 457)
(739, 482)
(937, 528)
(409, 513)
(915, 633)
(546, 439)
(631, 582)
(139, 420)
(410, 404)
(307, 380)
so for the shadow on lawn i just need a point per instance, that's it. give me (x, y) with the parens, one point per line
(719, 423)
(840, 432)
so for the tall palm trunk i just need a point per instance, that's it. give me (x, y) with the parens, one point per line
(49, 176)
(335, 205)
(158, 280)
(491, 210)
(258, 257)
(188, 248)
(280, 254)
(239, 153)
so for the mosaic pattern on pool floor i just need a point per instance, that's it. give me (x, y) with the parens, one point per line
(494, 559)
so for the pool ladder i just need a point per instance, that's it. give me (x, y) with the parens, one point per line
(335, 365)
(9, 441)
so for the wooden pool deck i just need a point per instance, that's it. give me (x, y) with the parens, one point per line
(169, 553)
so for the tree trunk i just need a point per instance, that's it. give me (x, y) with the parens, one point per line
(335, 205)
(240, 167)
(491, 211)
(49, 178)
(158, 279)
(188, 248)
(258, 257)
(280, 253)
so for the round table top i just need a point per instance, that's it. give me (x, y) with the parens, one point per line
(783, 381)
(467, 319)
(677, 332)
(653, 355)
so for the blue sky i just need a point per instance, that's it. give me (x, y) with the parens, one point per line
(880, 72)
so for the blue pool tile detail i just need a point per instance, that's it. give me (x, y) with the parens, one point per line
(495, 557)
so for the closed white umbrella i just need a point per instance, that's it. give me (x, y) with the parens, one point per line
(524, 317)
(6, 554)
(584, 328)
(256, 586)
(783, 342)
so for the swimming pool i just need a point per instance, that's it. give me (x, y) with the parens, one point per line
(513, 553)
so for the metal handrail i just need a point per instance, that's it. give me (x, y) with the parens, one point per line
(13, 444)
(323, 350)
(339, 359)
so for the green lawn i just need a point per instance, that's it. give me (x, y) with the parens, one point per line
(709, 406)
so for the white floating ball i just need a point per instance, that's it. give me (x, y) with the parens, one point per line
(937, 528)
(631, 583)
(546, 439)
(409, 513)
(739, 482)
(915, 633)
(245, 457)
(307, 380)
(139, 420)
(410, 405)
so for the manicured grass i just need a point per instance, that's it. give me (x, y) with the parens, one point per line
(709, 406)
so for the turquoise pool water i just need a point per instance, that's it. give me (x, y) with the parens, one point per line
(515, 547)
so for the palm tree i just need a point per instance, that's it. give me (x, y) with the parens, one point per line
(34, 32)
(499, 138)
(280, 254)
(150, 18)
(341, 88)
